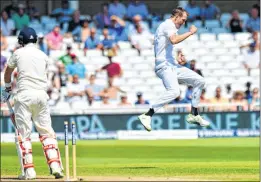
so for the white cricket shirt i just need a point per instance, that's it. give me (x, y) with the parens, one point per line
(163, 48)
(32, 66)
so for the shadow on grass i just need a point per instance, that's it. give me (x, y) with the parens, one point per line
(40, 178)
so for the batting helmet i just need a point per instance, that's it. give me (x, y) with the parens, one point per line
(27, 35)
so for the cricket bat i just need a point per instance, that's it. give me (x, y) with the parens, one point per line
(17, 136)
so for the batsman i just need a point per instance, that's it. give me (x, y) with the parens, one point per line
(30, 104)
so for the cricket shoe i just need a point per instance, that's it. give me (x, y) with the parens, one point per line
(57, 172)
(145, 121)
(29, 174)
(197, 120)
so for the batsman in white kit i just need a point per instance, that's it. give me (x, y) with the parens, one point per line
(30, 104)
(172, 73)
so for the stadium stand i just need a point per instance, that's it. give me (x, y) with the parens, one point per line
(216, 50)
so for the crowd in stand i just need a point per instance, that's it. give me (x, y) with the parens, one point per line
(115, 22)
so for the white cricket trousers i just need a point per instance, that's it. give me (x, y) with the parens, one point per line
(32, 106)
(171, 75)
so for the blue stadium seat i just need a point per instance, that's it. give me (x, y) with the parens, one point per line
(203, 30)
(183, 30)
(155, 26)
(36, 26)
(225, 18)
(45, 19)
(244, 17)
(212, 23)
(197, 23)
(219, 30)
(50, 26)
(166, 16)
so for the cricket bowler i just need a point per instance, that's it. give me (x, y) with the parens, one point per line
(30, 104)
(170, 72)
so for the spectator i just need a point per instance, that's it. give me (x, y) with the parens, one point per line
(53, 95)
(137, 8)
(67, 59)
(209, 11)
(203, 98)
(113, 69)
(54, 39)
(241, 103)
(193, 67)
(102, 19)
(61, 78)
(41, 44)
(181, 59)
(141, 100)
(11, 9)
(235, 23)
(179, 100)
(92, 103)
(251, 58)
(75, 90)
(118, 9)
(255, 40)
(76, 68)
(248, 95)
(142, 39)
(124, 101)
(253, 23)
(255, 100)
(21, 19)
(4, 44)
(193, 10)
(92, 42)
(85, 31)
(74, 26)
(64, 13)
(90, 100)
(3, 63)
(219, 99)
(112, 90)
(94, 89)
(106, 101)
(257, 6)
(7, 24)
(117, 29)
(228, 94)
(137, 20)
(255, 37)
(109, 45)
(32, 11)
(68, 39)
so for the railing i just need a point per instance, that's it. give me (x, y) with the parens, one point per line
(175, 108)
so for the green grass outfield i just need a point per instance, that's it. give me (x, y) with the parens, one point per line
(206, 159)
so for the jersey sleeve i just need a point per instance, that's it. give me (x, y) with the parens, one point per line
(12, 62)
(169, 30)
